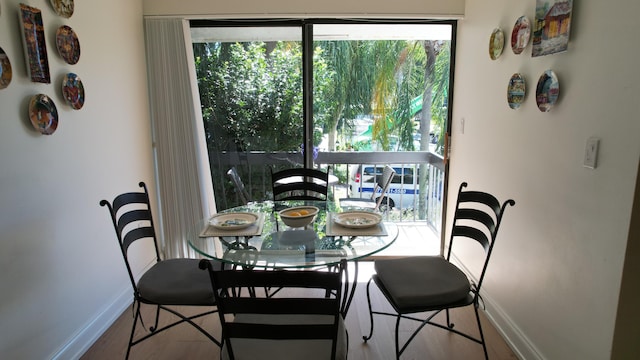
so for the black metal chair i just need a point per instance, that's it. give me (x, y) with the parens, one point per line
(241, 191)
(300, 184)
(419, 284)
(172, 282)
(307, 324)
(380, 187)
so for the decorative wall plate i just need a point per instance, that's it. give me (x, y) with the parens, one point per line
(496, 43)
(520, 34)
(5, 70)
(68, 44)
(547, 91)
(34, 44)
(516, 91)
(63, 8)
(73, 91)
(43, 114)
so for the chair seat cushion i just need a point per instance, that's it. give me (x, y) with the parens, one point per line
(422, 283)
(176, 282)
(287, 349)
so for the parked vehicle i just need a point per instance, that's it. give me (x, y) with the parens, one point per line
(402, 192)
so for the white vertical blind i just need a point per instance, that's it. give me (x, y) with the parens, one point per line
(185, 190)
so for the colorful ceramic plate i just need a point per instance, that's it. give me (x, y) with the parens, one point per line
(73, 91)
(516, 91)
(43, 114)
(520, 34)
(68, 44)
(5, 70)
(63, 8)
(357, 219)
(547, 91)
(496, 44)
(233, 221)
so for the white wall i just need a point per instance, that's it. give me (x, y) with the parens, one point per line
(61, 272)
(555, 278)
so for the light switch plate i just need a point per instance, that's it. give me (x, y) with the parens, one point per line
(591, 153)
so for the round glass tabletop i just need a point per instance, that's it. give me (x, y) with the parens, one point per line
(269, 243)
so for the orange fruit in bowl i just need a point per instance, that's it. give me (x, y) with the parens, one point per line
(304, 212)
(294, 213)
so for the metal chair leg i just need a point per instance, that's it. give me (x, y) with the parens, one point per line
(366, 338)
(133, 328)
(155, 326)
(398, 351)
(449, 323)
(482, 342)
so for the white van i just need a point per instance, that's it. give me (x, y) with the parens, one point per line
(402, 191)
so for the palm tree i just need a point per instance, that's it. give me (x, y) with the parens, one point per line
(349, 88)
(383, 78)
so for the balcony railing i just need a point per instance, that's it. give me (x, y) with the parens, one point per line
(420, 172)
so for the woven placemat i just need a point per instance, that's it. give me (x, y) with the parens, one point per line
(334, 229)
(254, 230)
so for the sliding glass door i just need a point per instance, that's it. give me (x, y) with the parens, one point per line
(328, 94)
(250, 82)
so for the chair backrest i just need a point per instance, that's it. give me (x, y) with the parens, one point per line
(266, 318)
(477, 216)
(383, 183)
(300, 184)
(132, 221)
(242, 192)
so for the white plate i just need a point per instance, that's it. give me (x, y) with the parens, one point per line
(233, 221)
(357, 219)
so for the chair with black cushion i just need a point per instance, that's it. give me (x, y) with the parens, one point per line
(241, 191)
(419, 284)
(304, 323)
(167, 283)
(380, 187)
(300, 184)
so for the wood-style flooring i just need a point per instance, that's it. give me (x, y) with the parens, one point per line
(183, 342)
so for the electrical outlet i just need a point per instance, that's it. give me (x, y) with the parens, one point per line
(591, 152)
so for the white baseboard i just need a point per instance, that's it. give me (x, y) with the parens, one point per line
(517, 341)
(513, 336)
(91, 332)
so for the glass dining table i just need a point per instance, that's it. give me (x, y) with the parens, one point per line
(270, 244)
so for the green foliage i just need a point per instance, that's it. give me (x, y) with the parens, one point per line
(376, 78)
(251, 98)
(439, 101)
